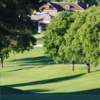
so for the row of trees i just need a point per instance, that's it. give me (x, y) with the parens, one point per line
(74, 37)
(83, 2)
(16, 27)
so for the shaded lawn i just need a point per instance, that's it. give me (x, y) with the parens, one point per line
(34, 57)
(33, 61)
(11, 91)
(24, 95)
(51, 97)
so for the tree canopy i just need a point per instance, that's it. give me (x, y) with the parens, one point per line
(80, 40)
(83, 2)
(16, 27)
(54, 41)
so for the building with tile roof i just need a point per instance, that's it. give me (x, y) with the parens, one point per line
(51, 9)
(42, 20)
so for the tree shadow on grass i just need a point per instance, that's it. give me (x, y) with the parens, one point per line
(95, 91)
(8, 90)
(20, 69)
(95, 71)
(34, 61)
(41, 60)
(91, 91)
(59, 79)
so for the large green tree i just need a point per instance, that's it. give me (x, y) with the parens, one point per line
(90, 2)
(73, 49)
(83, 43)
(74, 36)
(16, 27)
(89, 34)
(54, 41)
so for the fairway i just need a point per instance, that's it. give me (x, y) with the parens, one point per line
(39, 78)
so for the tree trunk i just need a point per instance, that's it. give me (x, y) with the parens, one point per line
(1, 62)
(73, 66)
(88, 67)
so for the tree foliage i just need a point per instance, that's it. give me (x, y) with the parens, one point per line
(89, 34)
(82, 2)
(54, 41)
(16, 27)
(80, 40)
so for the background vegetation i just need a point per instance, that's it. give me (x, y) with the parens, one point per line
(74, 37)
(83, 2)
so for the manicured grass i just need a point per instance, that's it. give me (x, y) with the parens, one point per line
(52, 79)
(39, 38)
(46, 79)
(34, 57)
